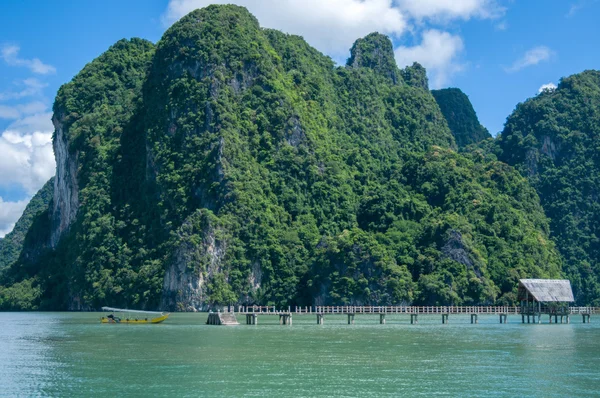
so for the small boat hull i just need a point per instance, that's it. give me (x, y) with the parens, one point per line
(136, 321)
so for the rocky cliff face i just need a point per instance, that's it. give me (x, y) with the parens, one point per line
(196, 261)
(66, 190)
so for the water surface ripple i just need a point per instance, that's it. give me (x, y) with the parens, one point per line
(72, 354)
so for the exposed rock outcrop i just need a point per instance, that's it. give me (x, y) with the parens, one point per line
(196, 260)
(375, 51)
(66, 190)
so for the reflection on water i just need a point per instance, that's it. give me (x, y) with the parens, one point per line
(58, 354)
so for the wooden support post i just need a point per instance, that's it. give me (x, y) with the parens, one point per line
(568, 319)
(320, 319)
(474, 319)
(350, 319)
(522, 318)
(586, 317)
(444, 319)
(502, 318)
(414, 319)
(285, 319)
(382, 319)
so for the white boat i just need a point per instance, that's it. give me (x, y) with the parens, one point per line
(133, 316)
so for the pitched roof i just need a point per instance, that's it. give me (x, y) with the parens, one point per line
(546, 290)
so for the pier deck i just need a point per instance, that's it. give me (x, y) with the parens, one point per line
(285, 315)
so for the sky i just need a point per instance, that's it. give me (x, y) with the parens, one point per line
(499, 52)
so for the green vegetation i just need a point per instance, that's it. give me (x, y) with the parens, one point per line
(461, 116)
(553, 139)
(12, 244)
(238, 164)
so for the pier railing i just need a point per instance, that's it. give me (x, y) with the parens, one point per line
(350, 309)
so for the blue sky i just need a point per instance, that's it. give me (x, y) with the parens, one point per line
(499, 52)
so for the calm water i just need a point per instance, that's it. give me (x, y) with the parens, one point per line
(72, 354)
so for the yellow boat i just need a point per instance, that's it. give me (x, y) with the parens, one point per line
(133, 316)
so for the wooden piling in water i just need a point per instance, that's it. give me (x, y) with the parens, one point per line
(586, 317)
(350, 319)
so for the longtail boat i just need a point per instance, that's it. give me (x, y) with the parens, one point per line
(133, 316)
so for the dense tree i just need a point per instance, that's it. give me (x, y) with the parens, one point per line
(231, 163)
(553, 140)
(12, 244)
(461, 116)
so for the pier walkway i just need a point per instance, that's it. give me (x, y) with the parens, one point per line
(285, 315)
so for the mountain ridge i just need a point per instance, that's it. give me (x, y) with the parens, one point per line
(234, 164)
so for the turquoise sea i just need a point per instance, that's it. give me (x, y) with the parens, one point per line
(72, 354)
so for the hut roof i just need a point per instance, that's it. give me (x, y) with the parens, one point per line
(546, 290)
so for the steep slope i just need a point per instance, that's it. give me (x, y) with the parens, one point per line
(553, 140)
(461, 117)
(235, 164)
(12, 244)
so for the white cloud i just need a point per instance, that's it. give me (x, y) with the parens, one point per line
(437, 52)
(9, 112)
(531, 57)
(451, 9)
(10, 55)
(9, 214)
(30, 87)
(27, 157)
(547, 87)
(19, 110)
(578, 6)
(331, 25)
(501, 26)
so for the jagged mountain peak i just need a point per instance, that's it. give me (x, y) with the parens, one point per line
(375, 51)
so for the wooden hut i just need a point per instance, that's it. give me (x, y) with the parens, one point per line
(544, 296)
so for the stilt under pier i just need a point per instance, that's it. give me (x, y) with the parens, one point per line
(444, 319)
(382, 319)
(503, 318)
(586, 318)
(320, 319)
(414, 319)
(285, 319)
(251, 319)
(474, 318)
(350, 319)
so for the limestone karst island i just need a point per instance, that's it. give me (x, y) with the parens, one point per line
(309, 174)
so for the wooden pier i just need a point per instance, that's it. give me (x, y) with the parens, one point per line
(537, 297)
(528, 314)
